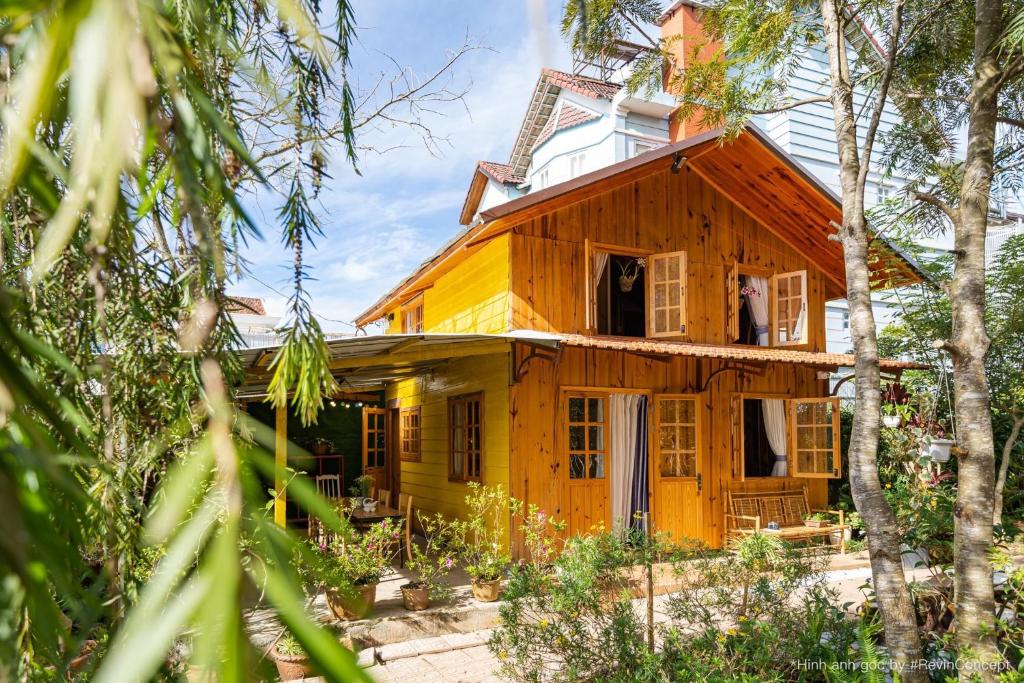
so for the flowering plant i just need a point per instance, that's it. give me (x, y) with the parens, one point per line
(749, 291)
(482, 546)
(432, 562)
(361, 560)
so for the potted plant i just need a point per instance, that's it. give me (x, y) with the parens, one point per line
(361, 488)
(891, 417)
(629, 272)
(483, 550)
(291, 660)
(816, 520)
(430, 564)
(320, 446)
(936, 449)
(351, 572)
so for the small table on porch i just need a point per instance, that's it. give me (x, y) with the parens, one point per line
(360, 519)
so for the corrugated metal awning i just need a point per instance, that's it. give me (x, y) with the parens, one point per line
(367, 362)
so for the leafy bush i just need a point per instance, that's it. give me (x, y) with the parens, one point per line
(759, 613)
(436, 559)
(484, 552)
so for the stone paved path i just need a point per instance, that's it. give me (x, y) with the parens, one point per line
(468, 665)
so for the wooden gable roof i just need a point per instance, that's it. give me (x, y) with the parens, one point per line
(751, 170)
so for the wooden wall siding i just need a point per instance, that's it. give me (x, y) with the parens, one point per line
(472, 297)
(427, 479)
(660, 213)
(537, 464)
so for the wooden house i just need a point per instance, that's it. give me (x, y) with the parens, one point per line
(642, 339)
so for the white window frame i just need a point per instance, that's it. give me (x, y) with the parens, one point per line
(576, 163)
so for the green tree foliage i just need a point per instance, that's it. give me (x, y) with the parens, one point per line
(133, 494)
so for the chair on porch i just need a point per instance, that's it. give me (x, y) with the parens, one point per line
(384, 497)
(405, 505)
(329, 487)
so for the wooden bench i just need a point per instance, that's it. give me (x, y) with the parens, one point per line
(750, 512)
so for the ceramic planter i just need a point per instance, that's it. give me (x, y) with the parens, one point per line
(415, 597)
(293, 667)
(487, 591)
(891, 421)
(369, 505)
(355, 605)
(937, 450)
(836, 538)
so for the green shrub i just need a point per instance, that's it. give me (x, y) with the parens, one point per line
(762, 612)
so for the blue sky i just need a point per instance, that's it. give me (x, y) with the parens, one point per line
(380, 225)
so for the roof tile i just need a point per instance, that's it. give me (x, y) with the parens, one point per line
(500, 172)
(588, 87)
(568, 116)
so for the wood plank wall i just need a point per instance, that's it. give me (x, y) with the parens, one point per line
(537, 465)
(660, 213)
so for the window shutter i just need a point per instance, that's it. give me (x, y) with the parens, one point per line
(736, 416)
(815, 448)
(789, 305)
(732, 304)
(666, 294)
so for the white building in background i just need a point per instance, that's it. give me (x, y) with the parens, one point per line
(582, 121)
(257, 329)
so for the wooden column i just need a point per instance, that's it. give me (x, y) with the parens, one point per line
(280, 462)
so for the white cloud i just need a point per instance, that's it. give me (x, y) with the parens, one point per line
(381, 225)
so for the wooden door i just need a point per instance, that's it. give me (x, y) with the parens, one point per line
(677, 467)
(585, 450)
(375, 445)
(394, 449)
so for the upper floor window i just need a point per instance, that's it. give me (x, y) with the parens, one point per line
(465, 437)
(542, 179)
(412, 316)
(576, 164)
(882, 192)
(631, 293)
(638, 147)
(766, 309)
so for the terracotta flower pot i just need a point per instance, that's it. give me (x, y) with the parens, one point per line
(487, 591)
(319, 448)
(355, 605)
(415, 597)
(293, 667)
(84, 655)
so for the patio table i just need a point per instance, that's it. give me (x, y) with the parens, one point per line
(361, 519)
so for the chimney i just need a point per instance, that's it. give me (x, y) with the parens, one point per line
(683, 25)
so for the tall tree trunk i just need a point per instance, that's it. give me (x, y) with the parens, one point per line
(891, 591)
(973, 513)
(1004, 465)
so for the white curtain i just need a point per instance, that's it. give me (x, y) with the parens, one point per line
(759, 306)
(600, 263)
(623, 424)
(774, 411)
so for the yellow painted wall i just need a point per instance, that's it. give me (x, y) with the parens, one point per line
(427, 480)
(472, 297)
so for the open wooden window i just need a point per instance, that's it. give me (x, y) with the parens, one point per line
(412, 316)
(815, 437)
(409, 433)
(666, 294)
(615, 290)
(789, 326)
(465, 437)
(588, 437)
(676, 419)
